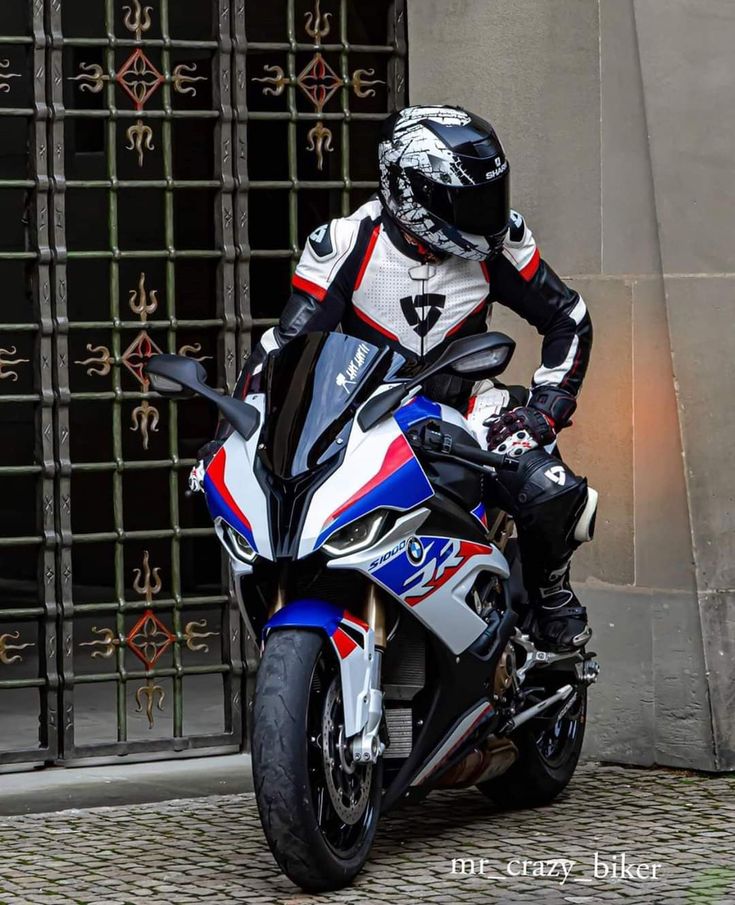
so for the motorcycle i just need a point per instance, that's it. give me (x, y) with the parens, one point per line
(395, 631)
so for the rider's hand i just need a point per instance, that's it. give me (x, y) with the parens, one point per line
(519, 430)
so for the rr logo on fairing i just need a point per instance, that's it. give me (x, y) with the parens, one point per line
(437, 569)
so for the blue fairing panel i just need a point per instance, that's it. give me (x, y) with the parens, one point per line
(307, 613)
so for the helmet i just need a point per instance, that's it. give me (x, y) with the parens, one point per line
(445, 179)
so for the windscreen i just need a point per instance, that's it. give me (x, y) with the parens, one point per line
(313, 387)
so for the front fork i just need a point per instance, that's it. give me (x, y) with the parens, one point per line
(359, 670)
(366, 745)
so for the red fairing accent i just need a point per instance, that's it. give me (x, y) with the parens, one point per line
(529, 271)
(485, 271)
(399, 452)
(348, 617)
(471, 404)
(366, 258)
(344, 644)
(307, 286)
(374, 324)
(216, 472)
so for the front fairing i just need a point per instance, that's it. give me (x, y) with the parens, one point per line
(379, 471)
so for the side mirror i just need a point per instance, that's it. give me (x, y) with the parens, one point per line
(172, 375)
(473, 357)
(484, 364)
(175, 375)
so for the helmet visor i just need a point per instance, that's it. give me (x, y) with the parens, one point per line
(482, 210)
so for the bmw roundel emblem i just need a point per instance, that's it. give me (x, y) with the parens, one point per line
(415, 550)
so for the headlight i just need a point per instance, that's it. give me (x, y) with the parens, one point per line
(357, 535)
(238, 546)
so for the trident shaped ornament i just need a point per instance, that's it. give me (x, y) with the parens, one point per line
(317, 24)
(137, 19)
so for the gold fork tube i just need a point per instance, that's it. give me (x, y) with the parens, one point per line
(374, 615)
(279, 601)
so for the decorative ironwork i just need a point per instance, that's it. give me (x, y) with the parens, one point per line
(9, 362)
(137, 19)
(108, 642)
(275, 83)
(145, 418)
(98, 366)
(147, 582)
(141, 301)
(6, 76)
(92, 78)
(192, 637)
(6, 646)
(149, 639)
(140, 138)
(137, 354)
(319, 140)
(139, 78)
(182, 82)
(153, 693)
(192, 350)
(319, 82)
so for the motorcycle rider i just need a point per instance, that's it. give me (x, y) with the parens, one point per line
(420, 265)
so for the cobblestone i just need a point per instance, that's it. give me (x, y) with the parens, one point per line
(212, 850)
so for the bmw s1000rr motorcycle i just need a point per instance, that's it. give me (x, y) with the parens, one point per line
(386, 594)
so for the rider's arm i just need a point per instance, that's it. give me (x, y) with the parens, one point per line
(525, 283)
(321, 289)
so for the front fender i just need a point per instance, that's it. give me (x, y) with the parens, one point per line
(353, 641)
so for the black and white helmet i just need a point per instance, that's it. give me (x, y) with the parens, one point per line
(445, 179)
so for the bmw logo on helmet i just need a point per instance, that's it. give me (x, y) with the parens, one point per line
(415, 550)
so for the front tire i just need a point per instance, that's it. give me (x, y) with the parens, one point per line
(547, 758)
(319, 810)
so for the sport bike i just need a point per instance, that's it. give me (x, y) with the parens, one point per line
(386, 593)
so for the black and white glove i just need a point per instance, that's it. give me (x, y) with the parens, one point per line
(519, 430)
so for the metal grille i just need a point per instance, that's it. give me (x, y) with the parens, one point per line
(160, 170)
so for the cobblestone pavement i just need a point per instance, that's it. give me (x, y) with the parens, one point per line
(212, 850)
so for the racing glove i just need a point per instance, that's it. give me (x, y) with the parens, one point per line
(519, 430)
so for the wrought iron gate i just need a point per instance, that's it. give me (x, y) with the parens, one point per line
(160, 163)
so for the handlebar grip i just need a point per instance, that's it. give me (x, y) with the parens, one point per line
(483, 457)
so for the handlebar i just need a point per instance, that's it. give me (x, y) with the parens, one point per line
(432, 440)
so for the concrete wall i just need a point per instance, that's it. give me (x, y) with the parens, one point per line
(618, 119)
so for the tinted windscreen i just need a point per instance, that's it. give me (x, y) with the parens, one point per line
(313, 386)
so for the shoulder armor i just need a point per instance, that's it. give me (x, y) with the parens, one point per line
(326, 250)
(520, 247)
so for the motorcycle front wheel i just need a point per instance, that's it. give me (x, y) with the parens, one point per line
(319, 809)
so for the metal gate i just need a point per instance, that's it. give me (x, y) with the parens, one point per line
(160, 163)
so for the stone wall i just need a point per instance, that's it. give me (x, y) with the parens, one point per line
(618, 119)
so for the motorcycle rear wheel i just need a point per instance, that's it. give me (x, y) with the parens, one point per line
(319, 811)
(548, 752)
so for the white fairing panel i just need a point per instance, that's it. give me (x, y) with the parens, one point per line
(431, 576)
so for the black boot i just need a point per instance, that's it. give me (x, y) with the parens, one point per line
(560, 619)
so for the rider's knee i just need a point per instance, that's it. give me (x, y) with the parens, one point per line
(549, 500)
